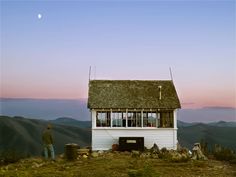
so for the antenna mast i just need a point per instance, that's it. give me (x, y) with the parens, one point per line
(171, 74)
(95, 70)
(89, 72)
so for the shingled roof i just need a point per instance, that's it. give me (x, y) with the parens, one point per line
(134, 94)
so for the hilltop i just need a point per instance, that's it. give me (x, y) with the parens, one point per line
(117, 164)
(25, 136)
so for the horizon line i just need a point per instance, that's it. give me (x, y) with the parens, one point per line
(24, 98)
(184, 121)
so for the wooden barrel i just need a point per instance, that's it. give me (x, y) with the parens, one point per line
(71, 151)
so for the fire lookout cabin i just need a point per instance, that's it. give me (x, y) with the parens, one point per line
(133, 108)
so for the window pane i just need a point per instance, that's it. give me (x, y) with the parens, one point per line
(149, 119)
(145, 119)
(167, 119)
(134, 119)
(118, 119)
(103, 119)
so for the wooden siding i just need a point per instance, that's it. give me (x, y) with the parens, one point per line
(102, 139)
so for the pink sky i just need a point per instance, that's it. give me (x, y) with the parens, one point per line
(50, 57)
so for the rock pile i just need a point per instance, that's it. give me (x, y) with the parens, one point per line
(84, 152)
(180, 155)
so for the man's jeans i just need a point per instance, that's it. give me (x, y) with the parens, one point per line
(47, 148)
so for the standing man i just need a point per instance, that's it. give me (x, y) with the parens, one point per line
(48, 142)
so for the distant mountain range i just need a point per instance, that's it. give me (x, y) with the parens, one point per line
(47, 109)
(216, 124)
(50, 109)
(71, 122)
(24, 134)
(222, 133)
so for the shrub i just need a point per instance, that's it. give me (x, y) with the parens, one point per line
(10, 156)
(233, 161)
(164, 150)
(149, 171)
(225, 154)
(204, 147)
(134, 173)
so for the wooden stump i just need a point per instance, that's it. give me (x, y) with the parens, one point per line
(71, 151)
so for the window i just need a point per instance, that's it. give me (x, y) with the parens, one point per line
(134, 119)
(167, 119)
(118, 119)
(149, 119)
(103, 119)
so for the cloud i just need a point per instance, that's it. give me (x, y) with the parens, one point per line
(187, 103)
(219, 108)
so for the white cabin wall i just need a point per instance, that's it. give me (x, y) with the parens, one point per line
(104, 137)
(175, 127)
(163, 137)
(93, 115)
(175, 118)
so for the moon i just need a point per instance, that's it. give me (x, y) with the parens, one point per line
(39, 16)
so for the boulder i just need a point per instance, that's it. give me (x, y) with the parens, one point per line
(185, 153)
(197, 153)
(135, 153)
(155, 149)
(155, 156)
(145, 155)
(101, 152)
(175, 156)
(85, 156)
(83, 152)
(94, 154)
(164, 150)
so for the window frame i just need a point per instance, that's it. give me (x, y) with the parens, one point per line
(148, 122)
(106, 121)
(118, 116)
(132, 118)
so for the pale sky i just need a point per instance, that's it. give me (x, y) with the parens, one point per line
(49, 57)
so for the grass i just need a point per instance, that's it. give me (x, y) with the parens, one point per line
(116, 165)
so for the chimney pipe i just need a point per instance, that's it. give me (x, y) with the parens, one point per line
(159, 87)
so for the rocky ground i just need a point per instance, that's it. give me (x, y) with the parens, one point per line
(116, 164)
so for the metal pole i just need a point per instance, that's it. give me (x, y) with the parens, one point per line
(171, 74)
(89, 72)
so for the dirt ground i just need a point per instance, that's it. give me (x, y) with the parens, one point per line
(117, 165)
